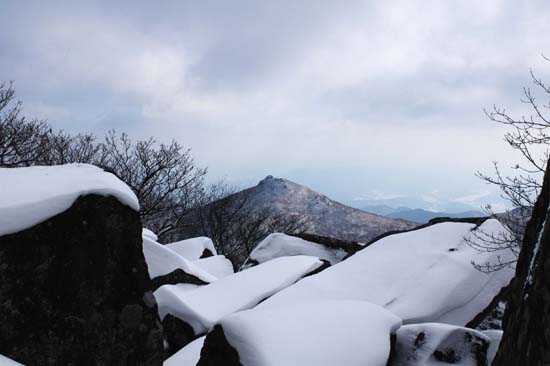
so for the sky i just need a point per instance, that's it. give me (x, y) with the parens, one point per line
(365, 101)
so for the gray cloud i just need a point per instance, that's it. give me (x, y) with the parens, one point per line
(348, 97)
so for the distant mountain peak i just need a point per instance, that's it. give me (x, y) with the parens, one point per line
(322, 215)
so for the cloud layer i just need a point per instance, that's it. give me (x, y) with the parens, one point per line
(348, 97)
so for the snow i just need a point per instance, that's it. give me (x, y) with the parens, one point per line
(29, 196)
(417, 343)
(534, 256)
(331, 332)
(193, 248)
(4, 361)
(206, 305)
(218, 265)
(282, 245)
(162, 260)
(424, 275)
(148, 233)
(188, 355)
(496, 337)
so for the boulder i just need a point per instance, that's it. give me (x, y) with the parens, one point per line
(193, 310)
(75, 290)
(433, 344)
(278, 245)
(335, 332)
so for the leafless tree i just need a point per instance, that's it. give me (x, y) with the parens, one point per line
(21, 140)
(63, 148)
(529, 135)
(164, 177)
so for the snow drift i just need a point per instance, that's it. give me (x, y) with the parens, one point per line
(194, 248)
(31, 195)
(322, 333)
(282, 245)
(423, 275)
(202, 307)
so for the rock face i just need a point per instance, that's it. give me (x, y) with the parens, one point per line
(526, 323)
(74, 290)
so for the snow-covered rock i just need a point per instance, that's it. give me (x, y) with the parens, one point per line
(321, 333)
(4, 361)
(423, 275)
(202, 307)
(32, 195)
(188, 355)
(433, 344)
(161, 260)
(282, 245)
(496, 337)
(194, 248)
(76, 287)
(149, 234)
(217, 265)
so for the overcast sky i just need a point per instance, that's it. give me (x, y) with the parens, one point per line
(361, 100)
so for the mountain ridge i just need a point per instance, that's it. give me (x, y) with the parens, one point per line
(321, 214)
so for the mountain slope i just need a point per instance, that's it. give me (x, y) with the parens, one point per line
(322, 216)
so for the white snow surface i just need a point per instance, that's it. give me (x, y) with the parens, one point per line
(203, 307)
(410, 351)
(496, 337)
(321, 333)
(4, 361)
(188, 355)
(217, 265)
(151, 235)
(424, 275)
(162, 260)
(29, 196)
(282, 245)
(193, 248)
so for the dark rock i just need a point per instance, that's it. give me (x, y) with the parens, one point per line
(526, 323)
(206, 253)
(347, 245)
(177, 333)
(75, 290)
(217, 351)
(175, 277)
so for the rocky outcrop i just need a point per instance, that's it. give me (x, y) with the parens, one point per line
(74, 290)
(526, 323)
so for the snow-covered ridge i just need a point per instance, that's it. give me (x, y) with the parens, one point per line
(32, 195)
(424, 275)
